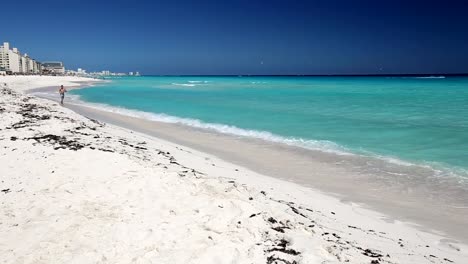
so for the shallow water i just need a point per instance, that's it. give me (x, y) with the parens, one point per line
(401, 120)
(403, 193)
(433, 193)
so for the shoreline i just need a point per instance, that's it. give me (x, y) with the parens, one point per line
(337, 220)
(311, 169)
(278, 161)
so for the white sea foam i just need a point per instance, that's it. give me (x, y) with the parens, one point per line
(198, 81)
(320, 145)
(190, 83)
(416, 77)
(430, 77)
(438, 170)
(184, 84)
(390, 159)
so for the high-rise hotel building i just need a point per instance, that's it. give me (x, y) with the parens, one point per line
(11, 60)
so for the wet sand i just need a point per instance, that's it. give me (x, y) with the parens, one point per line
(72, 183)
(416, 200)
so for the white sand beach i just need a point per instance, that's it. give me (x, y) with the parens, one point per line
(77, 190)
(29, 82)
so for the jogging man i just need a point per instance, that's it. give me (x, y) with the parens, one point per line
(62, 92)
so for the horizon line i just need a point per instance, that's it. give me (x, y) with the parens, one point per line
(314, 75)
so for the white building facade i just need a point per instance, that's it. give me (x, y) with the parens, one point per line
(13, 62)
(15, 65)
(5, 56)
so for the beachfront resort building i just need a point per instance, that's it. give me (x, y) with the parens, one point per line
(53, 67)
(13, 62)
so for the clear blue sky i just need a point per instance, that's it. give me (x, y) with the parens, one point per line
(243, 37)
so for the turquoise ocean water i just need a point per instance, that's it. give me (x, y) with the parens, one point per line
(407, 120)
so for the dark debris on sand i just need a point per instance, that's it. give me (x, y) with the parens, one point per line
(278, 250)
(59, 142)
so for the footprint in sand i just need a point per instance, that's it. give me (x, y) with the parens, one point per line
(450, 244)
